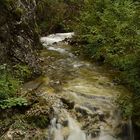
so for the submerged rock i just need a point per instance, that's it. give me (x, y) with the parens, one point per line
(83, 110)
(69, 103)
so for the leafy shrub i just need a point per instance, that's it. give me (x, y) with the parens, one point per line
(13, 102)
(22, 72)
(40, 121)
(126, 105)
(64, 15)
(8, 84)
(8, 89)
(109, 28)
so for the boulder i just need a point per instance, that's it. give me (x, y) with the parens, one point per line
(70, 104)
(19, 38)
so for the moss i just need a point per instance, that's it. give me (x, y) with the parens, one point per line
(40, 121)
(8, 84)
(17, 13)
(22, 72)
(4, 125)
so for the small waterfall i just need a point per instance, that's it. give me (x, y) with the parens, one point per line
(76, 132)
(58, 134)
(56, 130)
(131, 134)
(104, 135)
(127, 130)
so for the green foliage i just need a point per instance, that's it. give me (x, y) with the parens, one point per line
(108, 27)
(136, 105)
(126, 104)
(8, 89)
(40, 121)
(17, 13)
(57, 15)
(22, 72)
(8, 84)
(48, 9)
(13, 102)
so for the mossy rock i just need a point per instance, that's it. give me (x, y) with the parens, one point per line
(4, 125)
(41, 121)
(38, 116)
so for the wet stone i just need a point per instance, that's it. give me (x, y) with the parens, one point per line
(69, 103)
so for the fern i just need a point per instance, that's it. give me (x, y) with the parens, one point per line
(13, 102)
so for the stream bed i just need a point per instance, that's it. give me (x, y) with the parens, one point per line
(86, 93)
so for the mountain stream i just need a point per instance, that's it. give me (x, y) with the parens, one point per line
(88, 93)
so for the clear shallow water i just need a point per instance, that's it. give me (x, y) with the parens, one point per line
(89, 87)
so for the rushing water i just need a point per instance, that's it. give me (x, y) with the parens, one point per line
(54, 38)
(56, 130)
(75, 132)
(91, 89)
